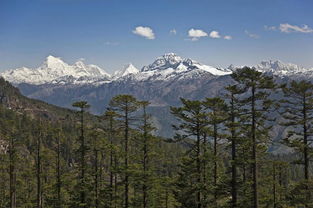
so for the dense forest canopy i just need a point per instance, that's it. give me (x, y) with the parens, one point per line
(219, 156)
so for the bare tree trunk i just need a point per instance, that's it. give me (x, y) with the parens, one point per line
(254, 153)
(215, 164)
(234, 156)
(58, 173)
(126, 179)
(274, 185)
(12, 173)
(38, 168)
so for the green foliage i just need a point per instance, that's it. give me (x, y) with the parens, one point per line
(114, 160)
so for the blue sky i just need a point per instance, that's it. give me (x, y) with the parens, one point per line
(103, 32)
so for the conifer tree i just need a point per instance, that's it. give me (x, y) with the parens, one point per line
(217, 114)
(125, 106)
(298, 115)
(146, 149)
(83, 105)
(232, 126)
(111, 129)
(38, 166)
(256, 88)
(12, 165)
(192, 118)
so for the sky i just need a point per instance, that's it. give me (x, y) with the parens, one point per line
(112, 33)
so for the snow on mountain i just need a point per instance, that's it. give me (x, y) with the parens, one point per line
(127, 70)
(170, 66)
(175, 63)
(55, 70)
(165, 68)
(283, 69)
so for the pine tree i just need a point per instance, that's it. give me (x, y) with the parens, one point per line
(83, 105)
(217, 115)
(125, 106)
(146, 143)
(256, 88)
(192, 117)
(232, 126)
(58, 174)
(298, 115)
(111, 129)
(12, 166)
(38, 166)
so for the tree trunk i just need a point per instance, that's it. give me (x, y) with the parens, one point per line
(83, 195)
(145, 160)
(12, 173)
(274, 185)
(126, 157)
(38, 169)
(198, 166)
(305, 150)
(111, 162)
(233, 153)
(96, 179)
(58, 173)
(215, 163)
(254, 152)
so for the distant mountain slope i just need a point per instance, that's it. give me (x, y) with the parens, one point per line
(11, 98)
(162, 83)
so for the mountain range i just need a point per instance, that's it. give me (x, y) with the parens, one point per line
(162, 83)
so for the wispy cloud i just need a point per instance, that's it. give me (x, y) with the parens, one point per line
(288, 28)
(196, 34)
(173, 32)
(273, 28)
(112, 43)
(145, 32)
(252, 35)
(228, 37)
(215, 34)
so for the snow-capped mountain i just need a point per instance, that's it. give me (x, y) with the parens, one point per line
(172, 63)
(168, 67)
(162, 83)
(127, 70)
(284, 69)
(56, 71)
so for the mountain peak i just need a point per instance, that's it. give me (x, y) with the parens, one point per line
(54, 70)
(53, 62)
(280, 68)
(127, 69)
(51, 58)
(168, 60)
(172, 63)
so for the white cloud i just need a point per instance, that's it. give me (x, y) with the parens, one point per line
(195, 34)
(173, 32)
(228, 37)
(146, 32)
(287, 28)
(252, 35)
(214, 34)
(273, 28)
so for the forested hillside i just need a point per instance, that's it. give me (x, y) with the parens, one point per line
(219, 156)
